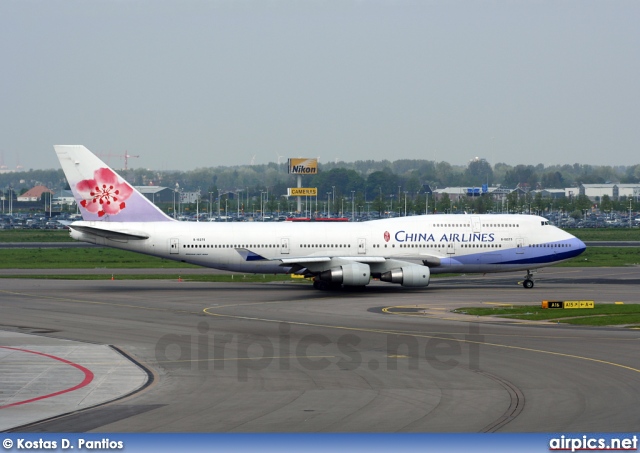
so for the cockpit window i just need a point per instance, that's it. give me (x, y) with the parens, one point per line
(544, 222)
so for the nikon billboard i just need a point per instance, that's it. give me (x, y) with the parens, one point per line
(303, 166)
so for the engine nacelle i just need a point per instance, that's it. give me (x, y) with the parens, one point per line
(412, 276)
(355, 274)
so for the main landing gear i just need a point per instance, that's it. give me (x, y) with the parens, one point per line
(326, 286)
(528, 280)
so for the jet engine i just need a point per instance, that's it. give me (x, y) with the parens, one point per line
(355, 274)
(412, 276)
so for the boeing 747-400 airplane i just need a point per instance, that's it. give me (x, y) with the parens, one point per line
(404, 250)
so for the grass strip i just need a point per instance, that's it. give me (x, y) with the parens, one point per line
(600, 315)
(82, 258)
(606, 234)
(27, 235)
(605, 257)
(224, 278)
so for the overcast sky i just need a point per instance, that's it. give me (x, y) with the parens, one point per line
(188, 84)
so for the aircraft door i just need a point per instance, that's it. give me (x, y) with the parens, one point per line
(519, 245)
(174, 246)
(284, 246)
(362, 246)
(476, 224)
(451, 248)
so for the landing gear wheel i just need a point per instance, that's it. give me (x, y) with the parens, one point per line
(527, 284)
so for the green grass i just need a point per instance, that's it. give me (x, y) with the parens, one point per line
(225, 278)
(606, 234)
(81, 258)
(600, 315)
(35, 236)
(605, 257)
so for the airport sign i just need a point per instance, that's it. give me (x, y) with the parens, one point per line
(302, 192)
(565, 304)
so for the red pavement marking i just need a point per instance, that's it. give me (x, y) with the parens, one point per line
(88, 377)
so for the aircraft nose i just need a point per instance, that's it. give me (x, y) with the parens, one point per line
(578, 245)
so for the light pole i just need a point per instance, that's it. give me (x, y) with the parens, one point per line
(238, 200)
(405, 203)
(353, 205)
(328, 205)
(333, 197)
(198, 205)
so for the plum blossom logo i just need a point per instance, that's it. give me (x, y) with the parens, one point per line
(103, 194)
(387, 236)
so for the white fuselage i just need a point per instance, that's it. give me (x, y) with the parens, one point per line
(445, 243)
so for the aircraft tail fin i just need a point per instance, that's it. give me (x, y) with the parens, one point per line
(100, 192)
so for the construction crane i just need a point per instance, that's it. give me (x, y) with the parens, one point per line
(126, 159)
(124, 156)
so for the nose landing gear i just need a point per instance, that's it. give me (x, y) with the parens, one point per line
(528, 280)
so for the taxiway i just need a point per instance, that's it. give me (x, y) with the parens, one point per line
(282, 357)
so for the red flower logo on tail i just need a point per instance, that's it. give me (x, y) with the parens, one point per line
(387, 236)
(103, 194)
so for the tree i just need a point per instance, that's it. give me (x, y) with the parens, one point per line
(538, 203)
(478, 172)
(605, 203)
(521, 175)
(444, 203)
(379, 205)
(553, 180)
(582, 202)
(384, 181)
(512, 200)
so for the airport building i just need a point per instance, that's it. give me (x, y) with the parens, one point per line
(595, 192)
(156, 194)
(35, 194)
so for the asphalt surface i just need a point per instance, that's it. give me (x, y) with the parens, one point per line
(283, 357)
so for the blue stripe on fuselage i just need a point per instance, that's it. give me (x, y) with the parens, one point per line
(530, 255)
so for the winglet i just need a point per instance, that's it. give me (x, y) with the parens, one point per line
(100, 192)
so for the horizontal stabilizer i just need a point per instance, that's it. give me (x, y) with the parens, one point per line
(109, 234)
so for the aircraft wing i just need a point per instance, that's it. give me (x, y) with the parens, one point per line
(377, 264)
(318, 261)
(326, 259)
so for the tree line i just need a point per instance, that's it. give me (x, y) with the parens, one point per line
(373, 185)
